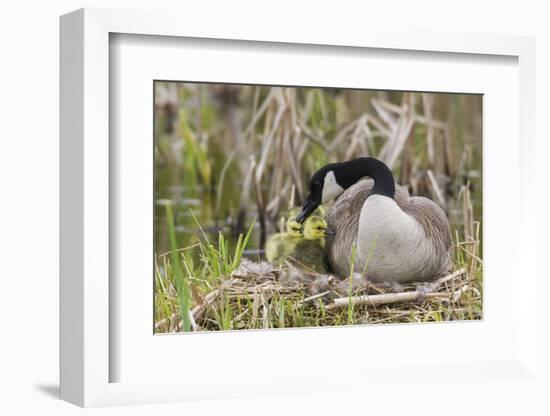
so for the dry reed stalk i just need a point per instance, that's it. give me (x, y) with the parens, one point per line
(164, 321)
(291, 201)
(449, 154)
(245, 195)
(384, 299)
(266, 146)
(341, 135)
(272, 207)
(294, 166)
(199, 310)
(387, 298)
(194, 325)
(393, 147)
(357, 139)
(368, 137)
(400, 126)
(261, 211)
(302, 150)
(391, 122)
(255, 308)
(468, 213)
(383, 131)
(407, 161)
(249, 131)
(221, 181)
(265, 311)
(388, 112)
(458, 293)
(442, 280)
(427, 102)
(195, 314)
(435, 124)
(435, 190)
(262, 164)
(312, 136)
(317, 296)
(388, 318)
(474, 257)
(237, 320)
(277, 175)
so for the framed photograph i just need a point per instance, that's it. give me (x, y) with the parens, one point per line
(318, 214)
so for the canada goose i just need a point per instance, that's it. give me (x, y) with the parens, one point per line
(403, 238)
(280, 245)
(309, 253)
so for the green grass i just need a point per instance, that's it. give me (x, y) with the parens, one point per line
(351, 306)
(183, 284)
(174, 286)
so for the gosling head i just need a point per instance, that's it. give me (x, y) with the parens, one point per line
(294, 228)
(315, 228)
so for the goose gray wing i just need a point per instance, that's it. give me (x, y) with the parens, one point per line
(435, 224)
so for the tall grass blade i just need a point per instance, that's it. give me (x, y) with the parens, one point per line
(181, 283)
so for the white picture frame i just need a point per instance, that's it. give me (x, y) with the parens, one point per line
(87, 355)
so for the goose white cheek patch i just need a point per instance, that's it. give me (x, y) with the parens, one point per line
(331, 189)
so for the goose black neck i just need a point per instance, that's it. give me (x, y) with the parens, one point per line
(356, 169)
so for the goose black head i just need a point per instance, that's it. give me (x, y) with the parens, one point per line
(333, 179)
(323, 186)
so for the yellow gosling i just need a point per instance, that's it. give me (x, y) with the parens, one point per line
(309, 253)
(280, 245)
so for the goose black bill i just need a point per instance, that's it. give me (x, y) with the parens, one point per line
(307, 209)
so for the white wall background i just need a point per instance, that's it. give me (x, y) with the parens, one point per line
(29, 184)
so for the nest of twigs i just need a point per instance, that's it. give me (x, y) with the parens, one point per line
(261, 296)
